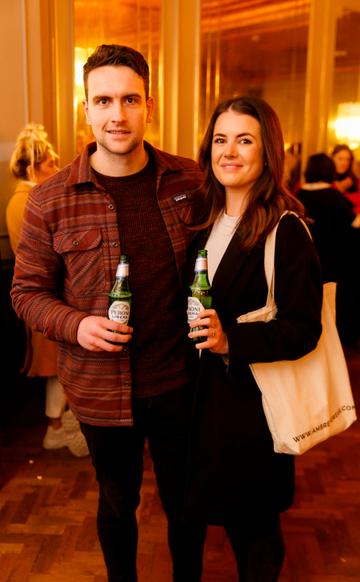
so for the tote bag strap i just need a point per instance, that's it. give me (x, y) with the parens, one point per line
(269, 255)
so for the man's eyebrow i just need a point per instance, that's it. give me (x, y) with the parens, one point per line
(100, 96)
(105, 96)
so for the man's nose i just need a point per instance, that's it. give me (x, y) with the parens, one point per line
(118, 111)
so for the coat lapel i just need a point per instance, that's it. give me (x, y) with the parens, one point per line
(229, 267)
(231, 272)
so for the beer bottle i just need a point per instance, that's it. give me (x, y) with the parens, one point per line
(200, 291)
(120, 294)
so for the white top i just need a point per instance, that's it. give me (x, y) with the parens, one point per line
(315, 186)
(218, 241)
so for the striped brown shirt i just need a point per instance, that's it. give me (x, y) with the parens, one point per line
(65, 266)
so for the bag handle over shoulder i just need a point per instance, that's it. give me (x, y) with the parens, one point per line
(269, 253)
(269, 310)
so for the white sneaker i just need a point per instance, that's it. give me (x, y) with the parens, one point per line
(54, 439)
(76, 443)
(69, 422)
(75, 439)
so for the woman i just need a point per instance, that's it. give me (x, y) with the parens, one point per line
(32, 162)
(235, 478)
(345, 179)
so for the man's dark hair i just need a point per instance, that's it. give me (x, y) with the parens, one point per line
(113, 55)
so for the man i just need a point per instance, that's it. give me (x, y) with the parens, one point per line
(121, 195)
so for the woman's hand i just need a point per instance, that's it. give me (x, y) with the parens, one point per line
(215, 337)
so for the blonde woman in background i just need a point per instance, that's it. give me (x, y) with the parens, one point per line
(32, 162)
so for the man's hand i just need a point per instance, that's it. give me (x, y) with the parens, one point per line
(95, 334)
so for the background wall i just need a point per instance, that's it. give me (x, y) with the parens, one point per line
(37, 41)
(13, 99)
(36, 48)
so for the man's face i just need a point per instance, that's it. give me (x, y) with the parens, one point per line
(117, 110)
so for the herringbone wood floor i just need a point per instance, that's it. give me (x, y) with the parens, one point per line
(48, 506)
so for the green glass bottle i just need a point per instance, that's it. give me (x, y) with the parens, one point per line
(200, 291)
(120, 294)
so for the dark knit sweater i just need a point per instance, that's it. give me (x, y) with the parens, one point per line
(158, 313)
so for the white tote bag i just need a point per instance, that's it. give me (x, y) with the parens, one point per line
(307, 400)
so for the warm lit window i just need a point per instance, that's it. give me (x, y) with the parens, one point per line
(345, 110)
(256, 48)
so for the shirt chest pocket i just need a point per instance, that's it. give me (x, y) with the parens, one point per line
(182, 204)
(82, 254)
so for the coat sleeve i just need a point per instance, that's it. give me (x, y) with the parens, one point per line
(298, 295)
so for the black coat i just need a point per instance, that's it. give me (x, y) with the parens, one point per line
(334, 238)
(338, 246)
(233, 471)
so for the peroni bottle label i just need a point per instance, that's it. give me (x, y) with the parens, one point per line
(194, 308)
(119, 311)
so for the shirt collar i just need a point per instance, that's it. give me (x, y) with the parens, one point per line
(80, 172)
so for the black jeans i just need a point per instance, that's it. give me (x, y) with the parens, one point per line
(117, 455)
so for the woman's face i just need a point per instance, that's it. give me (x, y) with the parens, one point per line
(47, 168)
(342, 160)
(237, 151)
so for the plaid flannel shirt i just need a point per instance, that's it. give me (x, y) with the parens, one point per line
(65, 265)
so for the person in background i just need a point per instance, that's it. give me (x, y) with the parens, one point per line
(331, 213)
(120, 196)
(235, 479)
(336, 239)
(346, 180)
(32, 162)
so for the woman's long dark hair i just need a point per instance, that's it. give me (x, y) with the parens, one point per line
(268, 198)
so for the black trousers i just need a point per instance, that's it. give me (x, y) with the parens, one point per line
(259, 550)
(117, 455)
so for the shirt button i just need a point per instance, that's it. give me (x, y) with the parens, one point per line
(75, 243)
(111, 207)
(115, 244)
